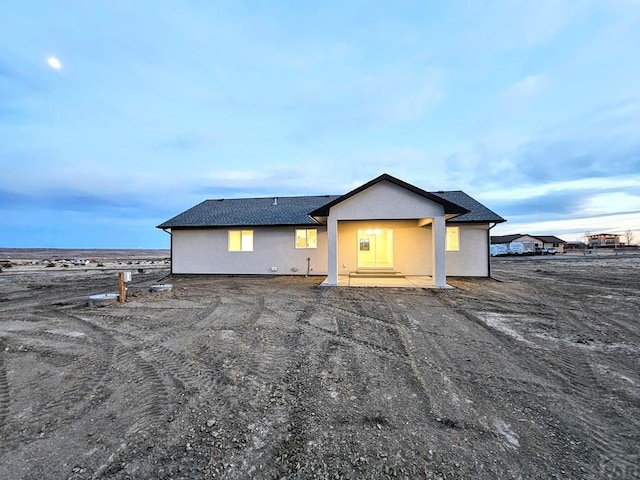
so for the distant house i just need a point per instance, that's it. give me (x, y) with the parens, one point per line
(606, 240)
(539, 241)
(385, 225)
(574, 245)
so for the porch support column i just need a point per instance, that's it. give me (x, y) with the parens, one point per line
(332, 251)
(438, 240)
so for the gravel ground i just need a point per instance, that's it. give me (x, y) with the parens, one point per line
(532, 374)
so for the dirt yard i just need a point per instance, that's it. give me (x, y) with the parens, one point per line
(535, 374)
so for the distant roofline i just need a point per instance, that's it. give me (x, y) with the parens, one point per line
(513, 236)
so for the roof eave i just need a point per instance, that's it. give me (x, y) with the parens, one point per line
(492, 220)
(240, 225)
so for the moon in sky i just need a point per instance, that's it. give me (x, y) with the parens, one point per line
(54, 63)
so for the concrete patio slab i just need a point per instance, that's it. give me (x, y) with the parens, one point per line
(385, 282)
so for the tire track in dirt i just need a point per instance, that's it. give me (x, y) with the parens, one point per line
(4, 392)
(574, 370)
(144, 379)
(605, 429)
(155, 362)
(290, 455)
(175, 365)
(77, 397)
(299, 391)
(169, 329)
(458, 408)
(275, 412)
(152, 403)
(499, 413)
(337, 392)
(263, 392)
(343, 336)
(586, 316)
(257, 359)
(569, 371)
(346, 333)
(150, 389)
(265, 365)
(226, 390)
(585, 299)
(585, 402)
(395, 331)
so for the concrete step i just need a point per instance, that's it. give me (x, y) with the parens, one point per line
(376, 274)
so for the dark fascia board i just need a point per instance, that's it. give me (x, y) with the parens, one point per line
(449, 207)
(213, 227)
(467, 222)
(505, 238)
(549, 238)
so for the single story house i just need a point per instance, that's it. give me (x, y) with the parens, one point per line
(385, 226)
(538, 241)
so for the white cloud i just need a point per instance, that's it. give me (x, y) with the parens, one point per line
(520, 192)
(604, 203)
(525, 89)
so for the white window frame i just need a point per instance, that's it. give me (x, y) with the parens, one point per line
(306, 238)
(452, 240)
(246, 241)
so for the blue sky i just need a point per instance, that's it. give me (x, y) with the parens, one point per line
(530, 106)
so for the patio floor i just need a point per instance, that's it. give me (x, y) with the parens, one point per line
(385, 282)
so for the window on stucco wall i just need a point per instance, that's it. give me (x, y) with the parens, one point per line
(241, 240)
(306, 238)
(453, 239)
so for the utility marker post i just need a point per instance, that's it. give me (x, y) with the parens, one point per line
(122, 288)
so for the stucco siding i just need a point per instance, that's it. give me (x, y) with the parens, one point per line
(540, 244)
(385, 200)
(472, 258)
(527, 239)
(558, 246)
(205, 251)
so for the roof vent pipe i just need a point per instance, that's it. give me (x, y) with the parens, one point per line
(275, 200)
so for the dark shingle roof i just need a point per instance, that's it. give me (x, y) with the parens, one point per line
(505, 238)
(237, 212)
(476, 211)
(299, 210)
(549, 238)
(512, 237)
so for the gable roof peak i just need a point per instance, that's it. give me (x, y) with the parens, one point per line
(449, 206)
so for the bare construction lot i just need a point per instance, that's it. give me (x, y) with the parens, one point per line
(533, 375)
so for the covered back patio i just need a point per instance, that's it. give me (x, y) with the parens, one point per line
(387, 233)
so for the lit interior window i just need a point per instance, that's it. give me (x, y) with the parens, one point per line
(453, 239)
(307, 238)
(241, 240)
